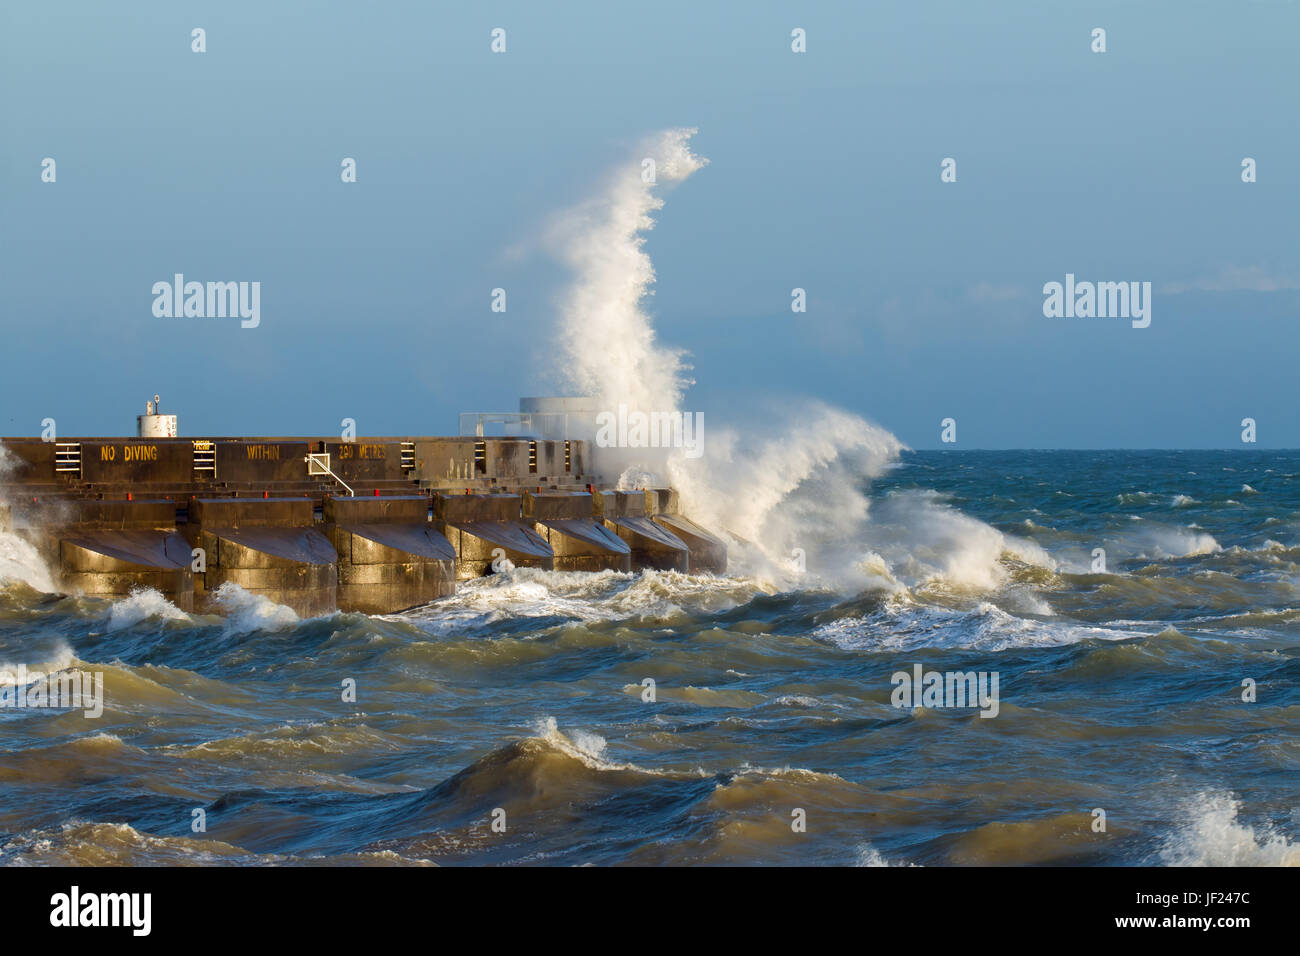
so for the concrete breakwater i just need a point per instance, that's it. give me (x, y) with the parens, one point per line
(376, 525)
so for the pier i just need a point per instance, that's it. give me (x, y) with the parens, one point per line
(377, 525)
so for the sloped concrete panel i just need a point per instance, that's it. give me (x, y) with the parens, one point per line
(391, 558)
(707, 551)
(111, 563)
(267, 547)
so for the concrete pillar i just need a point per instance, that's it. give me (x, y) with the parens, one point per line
(390, 557)
(566, 520)
(267, 546)
(708, 551)
(653, 546)
(109, 548)
(488, 528)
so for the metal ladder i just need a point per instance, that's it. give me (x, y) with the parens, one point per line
(205, 459)
(67, 458)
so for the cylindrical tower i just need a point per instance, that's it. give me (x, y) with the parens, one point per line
(153, 424)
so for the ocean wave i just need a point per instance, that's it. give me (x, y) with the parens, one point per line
(1162, 542)
(73, 762)
(867, 855)
(1059, 839)
(47, 655)
(303, 743)
(246, 612)
(21, 563)
(1134, 497)
(586, 596)
(84, 843)
(1213, 834)
(925, 542)
(908, 626)
(141, 605)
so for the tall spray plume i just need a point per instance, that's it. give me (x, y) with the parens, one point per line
(790, 487)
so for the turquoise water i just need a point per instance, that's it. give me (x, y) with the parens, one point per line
(520, 699)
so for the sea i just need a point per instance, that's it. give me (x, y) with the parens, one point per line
(1134, 615)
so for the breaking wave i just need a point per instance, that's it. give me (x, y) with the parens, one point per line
(143, 604)
(246, 612)
(1214, 834)
(790, 492)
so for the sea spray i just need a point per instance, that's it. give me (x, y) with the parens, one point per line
(246, 612)
(602, 241)
(19, 559)
(1212, 833)
(789, 488)
(142, 604)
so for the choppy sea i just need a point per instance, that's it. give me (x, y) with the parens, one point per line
(1141, 611)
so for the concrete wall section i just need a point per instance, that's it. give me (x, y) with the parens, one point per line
(123, 462)
(653, 546)
(266, 462)
(566, 521)
(362, 461)
(267, 547)
(112, 563)
(390, 557)
(708, 551)
(488, 528)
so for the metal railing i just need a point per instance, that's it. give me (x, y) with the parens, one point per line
(525, 424)
(318, 463)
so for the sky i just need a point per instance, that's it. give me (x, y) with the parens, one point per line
(924, 298)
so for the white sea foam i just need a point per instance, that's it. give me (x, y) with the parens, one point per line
(580, 596)
(588, 748)
(19, 560)
(1213, 834)
(867, 855)
(1134, 497)
(141, 605)
(906, 625)
(601, 240)
(1162, 542)
(246, 612)
(789, 488)
(925, 541)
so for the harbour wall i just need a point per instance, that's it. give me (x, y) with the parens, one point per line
(376, 525)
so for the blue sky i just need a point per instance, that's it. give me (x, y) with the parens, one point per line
(924, 298)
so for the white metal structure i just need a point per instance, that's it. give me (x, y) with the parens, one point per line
(318, 463)
(153, 424)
